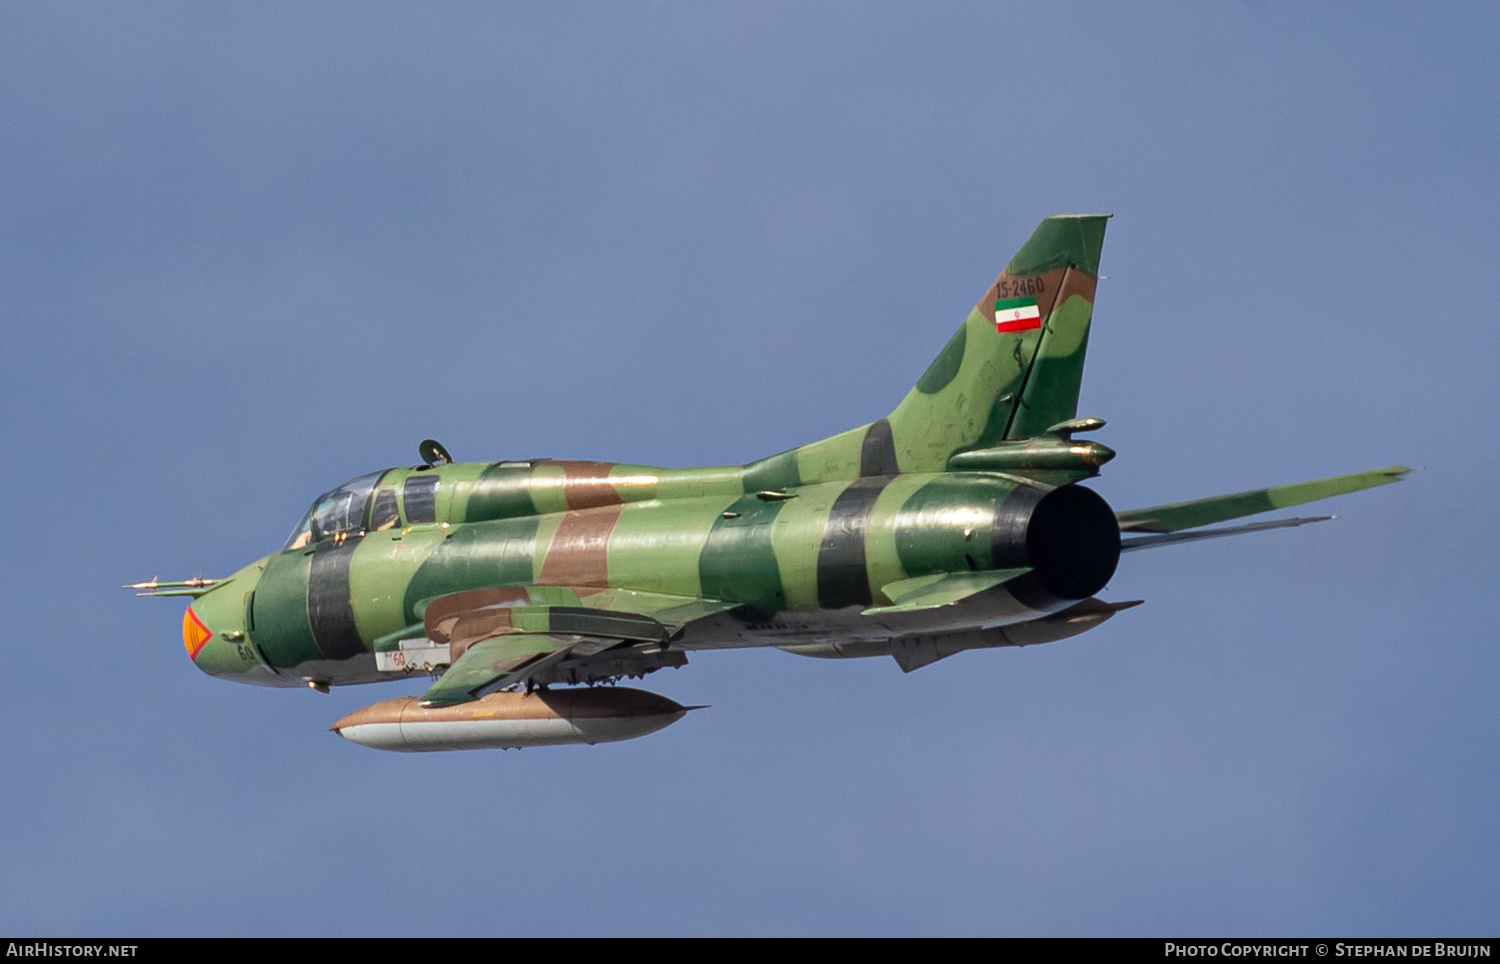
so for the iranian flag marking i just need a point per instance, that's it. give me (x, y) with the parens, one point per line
(1017, 314)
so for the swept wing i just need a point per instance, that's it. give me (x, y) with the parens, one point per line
(509, 636)
(1166, 523)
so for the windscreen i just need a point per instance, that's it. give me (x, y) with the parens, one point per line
(339, 511)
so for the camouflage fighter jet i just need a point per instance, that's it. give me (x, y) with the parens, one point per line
(956, 522)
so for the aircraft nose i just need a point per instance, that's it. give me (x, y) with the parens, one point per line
(215, 630)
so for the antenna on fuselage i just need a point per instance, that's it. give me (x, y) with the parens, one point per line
(433, 453)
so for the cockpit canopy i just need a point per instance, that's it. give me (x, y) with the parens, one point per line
(357, 507)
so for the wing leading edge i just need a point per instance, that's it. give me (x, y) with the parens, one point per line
(1166, 523)
(510, 636)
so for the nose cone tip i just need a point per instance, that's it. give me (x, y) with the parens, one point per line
(195, 633)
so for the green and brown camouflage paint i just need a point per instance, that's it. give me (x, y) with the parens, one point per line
(796, 550)
(824, 526)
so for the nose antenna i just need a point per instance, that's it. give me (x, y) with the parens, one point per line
(196, 586)
(433, 453)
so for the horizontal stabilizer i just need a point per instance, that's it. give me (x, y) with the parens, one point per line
(942, 589)
(1222, 508)
(1167, 539)
(914, 652)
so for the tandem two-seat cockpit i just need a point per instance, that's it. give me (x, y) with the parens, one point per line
(374, 502)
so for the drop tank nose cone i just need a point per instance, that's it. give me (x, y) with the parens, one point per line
(507, 720)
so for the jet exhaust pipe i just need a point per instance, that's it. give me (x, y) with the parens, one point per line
(1068, 536)
(511, 720)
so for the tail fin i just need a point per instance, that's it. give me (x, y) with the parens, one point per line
(1012, 370)
(1015, 367)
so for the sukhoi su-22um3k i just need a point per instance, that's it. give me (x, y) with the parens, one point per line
(956, 522)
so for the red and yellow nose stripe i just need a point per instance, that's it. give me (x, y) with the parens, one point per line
(194, 633)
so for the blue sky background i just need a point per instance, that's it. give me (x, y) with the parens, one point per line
(252, 251)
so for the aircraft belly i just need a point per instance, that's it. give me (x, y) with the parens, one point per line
(989, 610)
(359, 668)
